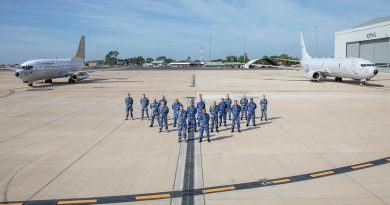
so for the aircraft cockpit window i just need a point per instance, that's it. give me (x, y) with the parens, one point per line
(364, 65)
(27, 67)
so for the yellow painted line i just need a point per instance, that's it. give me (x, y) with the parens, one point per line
(278, 181)
(154, 196)
(321, 174)
(86, 201)
(218, 189)
(12, 204)
(361, 166)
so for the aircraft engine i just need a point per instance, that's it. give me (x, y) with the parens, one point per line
(314, 76)
(79, 76)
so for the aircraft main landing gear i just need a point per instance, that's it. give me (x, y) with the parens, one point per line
(71, 81)
(338, 79)
(48, 81)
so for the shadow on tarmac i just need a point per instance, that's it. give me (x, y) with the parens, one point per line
(220, 138)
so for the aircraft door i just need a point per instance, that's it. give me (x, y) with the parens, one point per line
(356, 68)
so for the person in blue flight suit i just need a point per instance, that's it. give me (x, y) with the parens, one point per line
(154, 112)
(163, 100)
(251, 112)
(182, 124)
(191, 111)
(214, 109)
(204, 119)
(163, 111)
(228, 102)
(144, 106)
(176, 108)
(244, 103)
(222, 112)
(129, 106)
(200, 105)
(236, 109)
(264, 108)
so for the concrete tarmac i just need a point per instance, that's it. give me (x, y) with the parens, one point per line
(65, 141)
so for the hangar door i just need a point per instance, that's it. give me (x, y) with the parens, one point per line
(367, 50)
(353, 49)
(381, 50)
(376, 50)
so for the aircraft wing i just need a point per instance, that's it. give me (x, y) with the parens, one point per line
(285, 59)
(277, 66)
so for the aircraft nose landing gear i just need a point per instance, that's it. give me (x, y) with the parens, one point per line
(363, 82)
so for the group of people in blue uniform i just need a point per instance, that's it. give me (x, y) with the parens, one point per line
(196, 115)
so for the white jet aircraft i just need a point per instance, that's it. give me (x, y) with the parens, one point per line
(48, 69)
(339, 68)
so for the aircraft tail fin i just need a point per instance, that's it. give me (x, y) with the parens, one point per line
(305, 55)
(80, 55)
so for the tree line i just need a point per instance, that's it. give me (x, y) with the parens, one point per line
(111, 58)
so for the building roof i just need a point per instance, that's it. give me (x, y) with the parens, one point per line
(374, 21)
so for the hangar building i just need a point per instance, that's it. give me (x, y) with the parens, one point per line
(370, 40)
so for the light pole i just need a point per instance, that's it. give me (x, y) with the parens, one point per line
(158, 50)
(209, 48)
(316, 41)
(244, 50)
(97, 56)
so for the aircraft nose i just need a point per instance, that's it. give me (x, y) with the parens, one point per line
(375, 72)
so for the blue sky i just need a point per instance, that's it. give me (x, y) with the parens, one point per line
(52, 28)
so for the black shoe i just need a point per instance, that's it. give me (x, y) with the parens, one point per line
(225, 124)
(200, 140)
(208, 139)
(174, 125)
(126, 118)
(189, 130)
(212, 130)
(179, 140)
(232, 130)
(241, 118)
(266, 119)
(220, 124)
(217, 130)
(247, 124)
(159, 131)
(254, 125)
(142, 119)
(150, 125)
(239, 130)
(261, 119)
